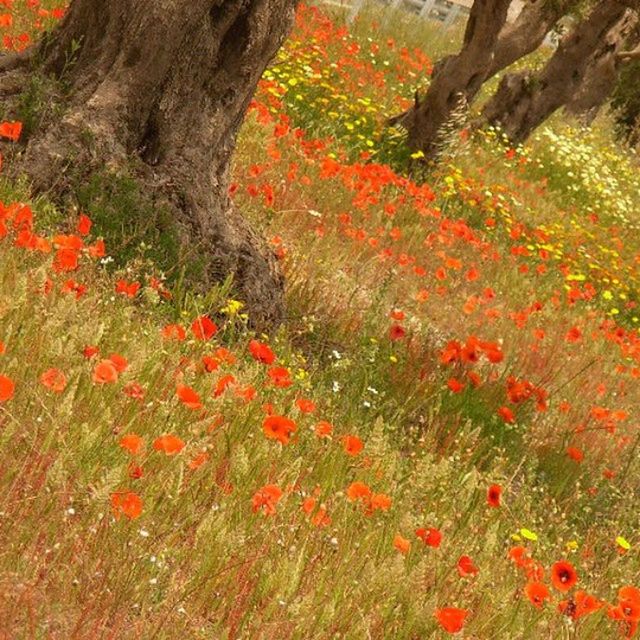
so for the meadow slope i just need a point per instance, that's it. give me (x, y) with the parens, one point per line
(443, 437)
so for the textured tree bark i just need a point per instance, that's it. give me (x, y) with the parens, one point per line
(524, 100)
(528, 31)
(602, 74)
(163, 86)
(456, 79)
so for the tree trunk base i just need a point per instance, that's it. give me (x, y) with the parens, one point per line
(109, 127)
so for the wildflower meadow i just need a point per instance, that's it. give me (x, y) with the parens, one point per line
(441, 440)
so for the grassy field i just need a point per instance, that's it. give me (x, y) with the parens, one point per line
(442, 439)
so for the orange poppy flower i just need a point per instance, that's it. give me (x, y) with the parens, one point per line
(455, 385)
(84, 224)
(575, 454)
(306, 406)
(278, 428)
(396, 332)
(401, 544)
(358, 491)
(466, 567)
(266, 499)
(210, 363)
(507, 415)
(203, 328)
(134, 390)
(126, 503)
(280, 377)
(54, 379)
(493, 495)
(430, 536)
(318, 514)
(323, 429)
(132, 443)
(7, 388)
(563, 575)
(105, 372)
(90, 351)
(173, 332)
(129, 289)
(537, 593)
(582, 604)
(223, 384)
(352, 445)
(169, 444)
(188, 396)
(451, 619)
(261, 352)
(119, 362)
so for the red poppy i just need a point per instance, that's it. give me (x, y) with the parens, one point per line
(210, 363)
(358, 491)
(455, 385)
(430, 536)
(132, 443)
(54, 379)
(10, 130)
(563, 575)
(451, 619)
(537, 593)
(318, 513)
(90, 351)
(396, 332)
(105, 372)
(582, 604)
(129, 289)
(173, 332)
(401, 544)
(188, 396)
(203, 328)
(134, 390)
(575, 454)
(280, 377)
(279, 428)
(306, 406)
(223, 384)
(169, 444)
(126, 503)
(84, 225)
(266, 498)
(573, 335)
(507, 415)
(261, 352)
(7, 388)
(466, 567)
(493, 495)
(323, 429)
(352, 445)
(119, 362)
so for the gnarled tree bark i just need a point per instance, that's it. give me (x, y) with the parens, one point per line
(456, 79)
(602, 75)
(524, 100)
(528, 31)
(162, 86)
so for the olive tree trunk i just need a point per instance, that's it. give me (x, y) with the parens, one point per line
(528, 31)
(525, 100)
(456, 79)
(162, 86)
(602, 75)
